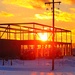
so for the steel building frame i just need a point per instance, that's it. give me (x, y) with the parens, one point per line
(27, 30)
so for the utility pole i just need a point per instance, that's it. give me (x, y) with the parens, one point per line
(53, 22)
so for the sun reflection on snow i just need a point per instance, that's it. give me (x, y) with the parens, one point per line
(42, 73)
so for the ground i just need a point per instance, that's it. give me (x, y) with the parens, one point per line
(65, 66)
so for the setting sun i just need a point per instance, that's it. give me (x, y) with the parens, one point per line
(43, 36)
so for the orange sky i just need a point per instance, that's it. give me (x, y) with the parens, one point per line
(35, 11)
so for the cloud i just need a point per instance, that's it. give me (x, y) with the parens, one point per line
(72, 9)
(34, 3)
(59, 16)
(45, 15)
(5, 14)
(69, 1)
(27, 3)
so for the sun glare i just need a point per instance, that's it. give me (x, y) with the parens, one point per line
(43, 36)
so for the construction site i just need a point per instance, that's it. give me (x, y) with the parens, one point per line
(24, 41)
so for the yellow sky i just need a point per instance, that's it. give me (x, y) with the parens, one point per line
(35, 11)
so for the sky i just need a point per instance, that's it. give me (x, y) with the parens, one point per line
(19, 11)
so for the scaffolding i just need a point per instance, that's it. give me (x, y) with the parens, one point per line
(18, 38)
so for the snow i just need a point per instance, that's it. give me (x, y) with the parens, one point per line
(65, 66)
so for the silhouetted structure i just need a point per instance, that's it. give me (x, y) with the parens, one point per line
(22, 40)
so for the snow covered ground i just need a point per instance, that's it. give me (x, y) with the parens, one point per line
(65, 66)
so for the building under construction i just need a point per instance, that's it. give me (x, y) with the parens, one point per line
(23, 40)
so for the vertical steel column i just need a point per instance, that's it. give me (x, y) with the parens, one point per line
(61, 35)
(23, 40)
(56, 39)
(28, 33)
(34, 38)
(62, 50)
(34, 32)
(61, 42)
(68, 49)
(66, 45)
(7, 32)
(56, 35)
(20, 32)
(15, 35)
(43, 44)
(28, 38)
(23, 35)
(71, 41)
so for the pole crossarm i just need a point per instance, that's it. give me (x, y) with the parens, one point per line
(52, 2)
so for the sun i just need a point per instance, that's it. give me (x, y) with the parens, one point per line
(43, 36)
